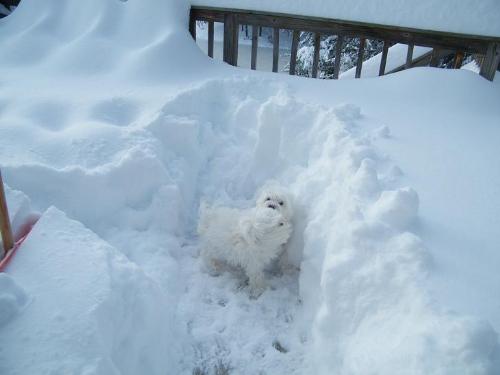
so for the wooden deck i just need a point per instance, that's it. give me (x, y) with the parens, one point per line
(443, 44)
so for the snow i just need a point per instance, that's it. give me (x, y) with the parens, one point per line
(79, 319)
(396, 57)
(117, 133)
(465, 16)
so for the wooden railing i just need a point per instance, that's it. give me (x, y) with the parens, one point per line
(442, 43)
(9, 4)
(5, 228)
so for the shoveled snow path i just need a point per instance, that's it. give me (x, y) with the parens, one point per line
(231, 331)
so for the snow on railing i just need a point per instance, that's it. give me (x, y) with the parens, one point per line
(485, 48)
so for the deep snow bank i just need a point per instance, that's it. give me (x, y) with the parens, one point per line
(87, 309)
(364, 268)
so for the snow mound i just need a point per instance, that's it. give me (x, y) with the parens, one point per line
(397, 208)
(92, 311)
(12, 298)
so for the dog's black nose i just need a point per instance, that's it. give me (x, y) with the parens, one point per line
(272, 206)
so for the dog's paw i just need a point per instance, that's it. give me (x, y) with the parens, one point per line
(257, 288)
(213, 267)
(256, 292)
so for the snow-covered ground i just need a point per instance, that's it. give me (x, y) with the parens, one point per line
(396, 57)
(114, 133)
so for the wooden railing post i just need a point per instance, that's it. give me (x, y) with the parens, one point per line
(192, 24)
(491, 61)
(338, 55)
(436, 53)
(211, 38)
(293, 54)
(383, 60)
(255, 45)
(317, 46)
(359, 64)
(409, 56)
(276, 48)
(231, 39)
(5, 229)
(458, 60)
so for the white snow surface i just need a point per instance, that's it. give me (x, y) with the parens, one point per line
(396, 57)
(116, 133)
(478, 17)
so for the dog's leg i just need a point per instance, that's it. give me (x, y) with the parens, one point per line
(214, 267)
(211, 265)
(256, 281)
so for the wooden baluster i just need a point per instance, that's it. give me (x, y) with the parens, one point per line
(255, 45)
(435, 57)
(231, 39)
(359, 64)
(491, 61)
(317, 40)
(211, 38)
(458, 60)
(276, 48)
(338, 55)
(383, 60)
(192, 25)
(409, 56)
(293, 55)
(5, 228)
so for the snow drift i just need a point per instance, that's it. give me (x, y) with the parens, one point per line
(116, 133)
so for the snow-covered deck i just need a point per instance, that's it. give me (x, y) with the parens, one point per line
(115, 126)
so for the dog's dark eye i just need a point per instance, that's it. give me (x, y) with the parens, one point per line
(281, 224)
(281, 203)
(268, 199)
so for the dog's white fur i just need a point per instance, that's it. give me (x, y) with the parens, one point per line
(250, 239)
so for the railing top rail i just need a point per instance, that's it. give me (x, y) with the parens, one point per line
(468, 43)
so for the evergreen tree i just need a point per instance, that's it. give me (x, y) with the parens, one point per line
(328, 46)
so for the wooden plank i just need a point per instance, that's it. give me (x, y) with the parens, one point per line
(436, 55)
(359, 64)
(458, 60)
(5, 228)
(192, 24)
(317, 45)
(276, 48)
(409, 56)
(293, 54)
(231, 39)
(383, 60)
(211, 38)
(338, 55)
(491, 61)
(255, 45)
(427, 38)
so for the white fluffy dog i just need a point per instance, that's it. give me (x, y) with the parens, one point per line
(250, 239)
